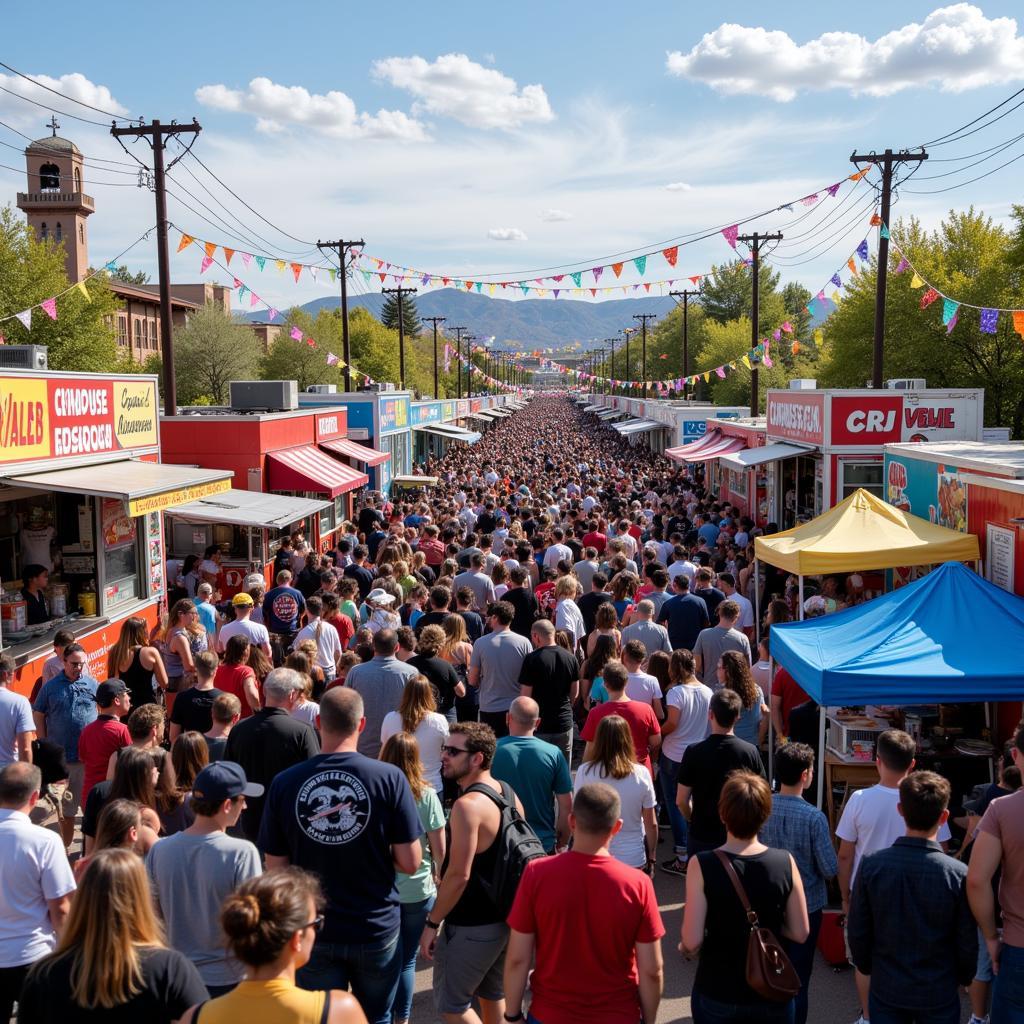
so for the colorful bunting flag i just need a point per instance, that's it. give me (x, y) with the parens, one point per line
(929, 297)
(989, 321)
(85, 291)
(671, 255)
(641, 265)
(617, 268)
(206, 264)
(296, 334)
(851, 265)
(836, 280)
(859, 174)
(228, 253)
(731, 233)
(949, 308)
(862, 250)
(884, 232)
(261, 262)
(1018, 321)
(576, 278)
(916, 281)
(246, 258)
(332, 359)
(211, 248)
(186, 241)
(25, 317)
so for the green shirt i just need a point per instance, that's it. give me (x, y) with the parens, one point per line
(419, 885)
(349, 608)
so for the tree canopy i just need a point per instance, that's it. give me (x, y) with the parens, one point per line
(209, 352)
(410, 314)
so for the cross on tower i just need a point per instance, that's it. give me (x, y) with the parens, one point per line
(53, 124)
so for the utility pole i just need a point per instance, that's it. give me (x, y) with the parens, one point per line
(158, 133)
(754, 241)
(400, 291)
(685, 295)
(458, 355)
(435, 320)
(643, 318)
(627, 331)
(341, 248)
(611, 368)
(886, 161)
(470, 338)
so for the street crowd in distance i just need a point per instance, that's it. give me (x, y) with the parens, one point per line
(455, 741)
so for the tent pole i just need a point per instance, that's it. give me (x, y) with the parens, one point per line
(821, 756)
(771, 723)
(801, 615)
(757, 603)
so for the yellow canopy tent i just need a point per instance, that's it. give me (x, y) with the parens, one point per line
(862, 533)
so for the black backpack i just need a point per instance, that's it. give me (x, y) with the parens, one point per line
(516, 845)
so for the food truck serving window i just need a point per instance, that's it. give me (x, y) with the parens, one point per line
(860, 474)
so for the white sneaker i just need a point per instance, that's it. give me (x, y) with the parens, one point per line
(978, 1020)
(862, 1020)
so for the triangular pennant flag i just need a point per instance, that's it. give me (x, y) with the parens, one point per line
(597, 272)
(647, 286)
(810, 200)
(241, 292)
(731, 233)
(479, 286)
(525, 288)
(851, 265)
(884, 232)
(228, 253)
(186, 241)
(836, 280)
(577, 278)
(332, 359)
(929, 297)
(556, 292)
(211, 248)
(901, 266)
(671, 255)
(246, 258)
(261, 262)
(1018, 321)
(383, 277)
(833, 189)
(641, 265)
(206, 264)
(272, 314)
(237, 283)
(296, 334)
(862, 249)
(787, 326)
(695, 278)
(720, 370)
(875, 220)
(917, 282)
(989, 321)
(296, 270)
(25, 316)
(85, 291)
(837, 298)
(819, 337)
(746, 361)
(859, 174)
(280, 264)
(254, 300)
(313, 272)
(617, 268)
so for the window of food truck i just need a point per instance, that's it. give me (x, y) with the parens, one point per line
(398, 446)
(119, 533)
(860, 474)
(738, 483)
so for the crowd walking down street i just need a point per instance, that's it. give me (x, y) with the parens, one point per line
(505, 756)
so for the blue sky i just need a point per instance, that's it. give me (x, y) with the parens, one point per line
(470, 140)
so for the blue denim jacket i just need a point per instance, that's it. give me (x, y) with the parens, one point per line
(69, 707)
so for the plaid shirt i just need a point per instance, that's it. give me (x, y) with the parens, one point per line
(799, 827)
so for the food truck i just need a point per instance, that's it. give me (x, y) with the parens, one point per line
(289, 470)
(83, 494)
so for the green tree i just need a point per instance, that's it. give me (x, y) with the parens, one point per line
(727, 294)
(410, 315)
(122, 273)
(794, 299)
(969, 258)
(211, 351)
(82, 337)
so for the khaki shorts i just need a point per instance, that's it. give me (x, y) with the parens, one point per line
(469, 960)
(73, 796)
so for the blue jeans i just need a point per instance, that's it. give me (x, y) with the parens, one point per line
(371, 970)
(801, 955)
(668, 776)
(710, 1011)
(1008, 990)
(413, 917)
(882, 1013)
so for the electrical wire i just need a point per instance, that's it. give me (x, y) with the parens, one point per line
(41, 144)
(944, 140)
(54, 110)
(960, 184)
(87, 181)
(106, 170)
(995, 151)
(64, 96)
(855, 218)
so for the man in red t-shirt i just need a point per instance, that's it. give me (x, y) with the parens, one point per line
(641, 719)
(614, 976)
(786, 695)
(593, 538)
(106, 734)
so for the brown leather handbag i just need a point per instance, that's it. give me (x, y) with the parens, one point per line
(770, 973)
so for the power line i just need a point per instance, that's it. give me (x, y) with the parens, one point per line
(970, 181)
(41, 144)
(957, 170)
(944, 140)
(53, 110)
(64, 96)
(87, 181)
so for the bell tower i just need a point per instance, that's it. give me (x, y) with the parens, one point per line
(55, 205)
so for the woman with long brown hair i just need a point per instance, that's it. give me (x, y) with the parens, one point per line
(271, 923)
(137, 663)
(613, 761)
(418, 716)
(135, 778)
(120, 826)
(111, 963)
(734, 673)
(416, 892)
(235, 676)
(606, 623)
(591, 682)
(182, 639)
(189, 755)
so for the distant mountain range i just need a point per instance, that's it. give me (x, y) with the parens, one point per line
(536, 322)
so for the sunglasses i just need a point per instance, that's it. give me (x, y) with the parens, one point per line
(453, 751)
(317, 924)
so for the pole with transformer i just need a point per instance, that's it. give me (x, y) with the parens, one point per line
(685, 295)
(157, 134)
(754, 241)
(435, 320)
(341, 247)
(400, 291)
(643, 318)
(887, 161)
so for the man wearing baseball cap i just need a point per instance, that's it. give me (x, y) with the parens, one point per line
(243, 625)
(193, 871)
(100, 738)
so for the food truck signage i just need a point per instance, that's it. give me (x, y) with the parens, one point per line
(49, 418)
(796, 417)
(394, 414)
(868, 420)
(331, 425)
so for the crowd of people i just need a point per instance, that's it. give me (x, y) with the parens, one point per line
(456, 740)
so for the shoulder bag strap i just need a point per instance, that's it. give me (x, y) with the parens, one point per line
(738, 886)
(325, 1015)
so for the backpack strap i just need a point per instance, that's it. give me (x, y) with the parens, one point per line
(506, 799)
(738, 886)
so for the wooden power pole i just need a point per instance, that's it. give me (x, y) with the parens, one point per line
(754, 241)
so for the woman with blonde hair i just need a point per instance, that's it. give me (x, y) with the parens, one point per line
(137, 663)
(613, 761)
(417, 715)
(416, 892)
(567, 613)
(457, 651)
(111, 962)
(271, 923)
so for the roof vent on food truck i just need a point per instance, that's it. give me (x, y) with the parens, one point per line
(906, 384)
(803, 384)
(264, 395)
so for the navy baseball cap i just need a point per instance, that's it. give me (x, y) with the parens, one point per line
(224, 780)
(108, 691)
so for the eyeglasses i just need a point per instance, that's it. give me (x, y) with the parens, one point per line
(317, 924)
(453, 751)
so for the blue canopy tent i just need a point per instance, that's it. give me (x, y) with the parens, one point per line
(949, 637)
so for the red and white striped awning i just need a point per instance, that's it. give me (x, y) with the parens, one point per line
(711, 446)
(307, 469)
(354, 450)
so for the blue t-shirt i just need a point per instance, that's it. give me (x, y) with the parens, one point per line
(282, 609)
(69, 707)
(338, 816)
(685, 615)
(709, 532)
(207, 616)
(537, 771)
(15, 719)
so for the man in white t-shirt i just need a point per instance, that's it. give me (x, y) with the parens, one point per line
(35, 884)
(243, 625)
(871, 821)
(324, 635)
(641, 686)
(557, 549)
(745, 621)
(681, 565)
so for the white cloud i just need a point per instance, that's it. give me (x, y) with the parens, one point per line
(457, 87)
(678, 186)
(956, 48)
(507, 235)
(551, 216)
(333, 113)
(75, 86)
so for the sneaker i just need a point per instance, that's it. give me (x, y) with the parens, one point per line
(979, 1020)
(862, 1020)
(675, 866)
